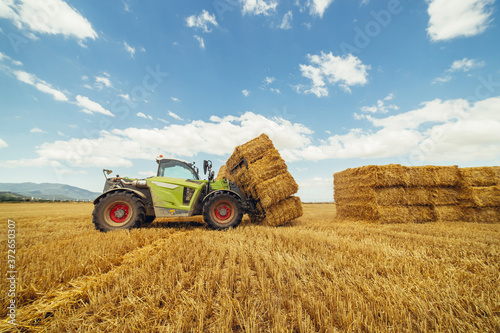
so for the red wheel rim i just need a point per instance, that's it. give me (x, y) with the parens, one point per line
(119, 213)
(223, 212)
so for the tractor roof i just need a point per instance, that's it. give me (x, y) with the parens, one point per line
(161, 158)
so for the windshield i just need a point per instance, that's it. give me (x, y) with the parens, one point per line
(176, 169)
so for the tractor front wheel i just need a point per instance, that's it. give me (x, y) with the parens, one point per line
(222, 211)
(118, 210)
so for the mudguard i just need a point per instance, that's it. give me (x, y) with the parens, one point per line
(123, 189)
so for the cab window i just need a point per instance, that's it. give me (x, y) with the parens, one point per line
(176, 169)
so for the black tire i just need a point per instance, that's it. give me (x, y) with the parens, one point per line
(118, 210)
(222, 211)
(149, 219)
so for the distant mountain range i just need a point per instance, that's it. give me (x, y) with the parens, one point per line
(47, 191)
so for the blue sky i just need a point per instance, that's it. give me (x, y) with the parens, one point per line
(92, 84)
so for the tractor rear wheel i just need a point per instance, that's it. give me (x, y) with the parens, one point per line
(118, 210)
(222, 211)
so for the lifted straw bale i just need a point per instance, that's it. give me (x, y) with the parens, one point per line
(270, 165)
(262, 175)
(275, 189)
(223, 173)
(251, 151)
(281, 213)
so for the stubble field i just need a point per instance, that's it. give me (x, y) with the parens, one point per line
(314, 275)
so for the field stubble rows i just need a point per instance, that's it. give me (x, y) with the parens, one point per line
(316, 274)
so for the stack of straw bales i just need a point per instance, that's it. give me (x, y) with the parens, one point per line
(481, 194)
(398, 194)
(265, 179)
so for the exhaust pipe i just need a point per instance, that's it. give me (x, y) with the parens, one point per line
(135, 183)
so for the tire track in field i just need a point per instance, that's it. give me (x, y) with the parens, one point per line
(33, 315)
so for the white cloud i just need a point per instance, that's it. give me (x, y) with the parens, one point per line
(268, 80)
(102, 81)
(3, 144)
(450, 19)
(202, 21)
(316, 189)
(35, 162)
(129, 49)
(175, 116)
(3, 57)
(286, 23)
(346, 71)
(318, 7)
(201, 41)
(48, 17)
(381, 106)
(465, 65)
(462, 65)
(438, 131)
(259, 7)
(266, 84)
(197, 137)
(175, 99)
(142, 115)
(245, 92)
(147, 173)
(442, 79)
(41, 85)
(450, 131)
(90, 107)
(36, 130)
(125, 97)
(126, 6)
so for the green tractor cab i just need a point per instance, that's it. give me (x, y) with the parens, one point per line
(175, 194)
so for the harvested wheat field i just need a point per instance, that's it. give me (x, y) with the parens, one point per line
(316, 274)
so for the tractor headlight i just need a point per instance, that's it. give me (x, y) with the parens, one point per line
(188, 194)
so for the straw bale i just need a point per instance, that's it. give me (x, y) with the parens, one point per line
(482, 196)
(282, 212)
(482, 215)
(274, 190)
(223, 173)
(372, 176)
(252, 151)
(449, 213)
(386, 214)
(431, 175)
(270, 165)
(480, 176)
(398, 195)
(443, 196)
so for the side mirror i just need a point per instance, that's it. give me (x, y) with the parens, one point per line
(106, 172)
(205, 167)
